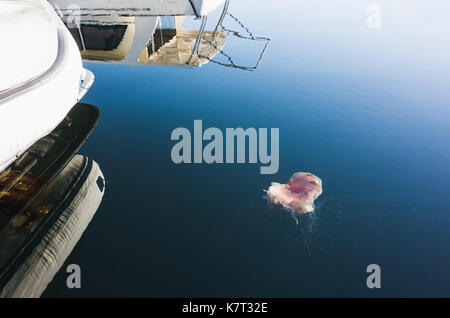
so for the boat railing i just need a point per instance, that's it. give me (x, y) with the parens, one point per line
(221, 28)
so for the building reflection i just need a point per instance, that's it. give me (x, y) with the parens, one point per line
(105, 38)
(170, 44)
(47, 198)
(152, 32)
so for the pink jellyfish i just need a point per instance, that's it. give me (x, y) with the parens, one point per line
(298, 194)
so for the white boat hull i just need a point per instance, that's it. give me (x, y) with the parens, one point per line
(33, 108)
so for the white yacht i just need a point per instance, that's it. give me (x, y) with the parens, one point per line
(41, 77)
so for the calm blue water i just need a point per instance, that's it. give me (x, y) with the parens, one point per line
(367, 110)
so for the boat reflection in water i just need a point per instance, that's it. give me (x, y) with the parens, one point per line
(146, 32)
(48, 196)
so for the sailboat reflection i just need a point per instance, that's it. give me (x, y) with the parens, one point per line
(154, 32)
(47, 198)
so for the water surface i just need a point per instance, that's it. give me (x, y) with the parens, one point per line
(364, 109)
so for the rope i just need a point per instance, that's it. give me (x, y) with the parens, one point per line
(236, 33)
